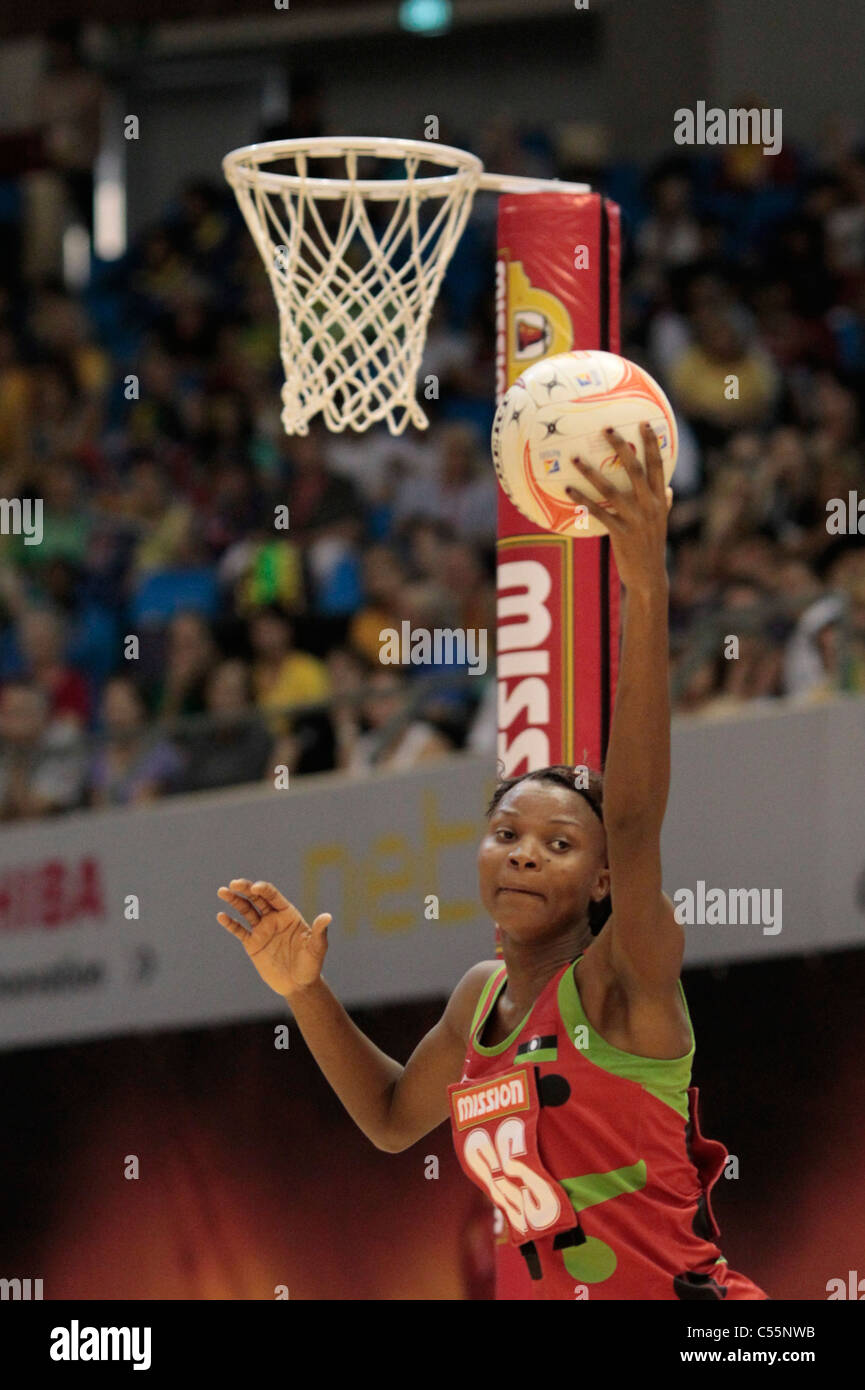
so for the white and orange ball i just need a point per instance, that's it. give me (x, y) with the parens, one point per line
(558, 410)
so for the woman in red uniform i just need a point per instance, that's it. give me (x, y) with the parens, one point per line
(565, 1069)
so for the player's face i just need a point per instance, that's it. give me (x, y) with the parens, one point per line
(542, 860)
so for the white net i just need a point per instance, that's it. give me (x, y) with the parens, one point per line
(355, 264)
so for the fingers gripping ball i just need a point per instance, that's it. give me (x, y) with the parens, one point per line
(558, 410)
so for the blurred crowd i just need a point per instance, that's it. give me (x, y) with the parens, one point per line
(166, 637)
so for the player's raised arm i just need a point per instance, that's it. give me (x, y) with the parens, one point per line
(393, 1105)
(646, 943)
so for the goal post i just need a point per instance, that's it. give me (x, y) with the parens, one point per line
(557, 288)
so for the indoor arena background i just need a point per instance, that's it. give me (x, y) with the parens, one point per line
(144, 1031)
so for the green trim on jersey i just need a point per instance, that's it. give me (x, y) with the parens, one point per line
(482, 999)
(600, 1187)
(665, 1078)
(498, 981)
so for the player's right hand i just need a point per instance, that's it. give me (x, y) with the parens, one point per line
(287, 953)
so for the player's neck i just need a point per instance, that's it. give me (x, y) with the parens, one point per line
(531, 965)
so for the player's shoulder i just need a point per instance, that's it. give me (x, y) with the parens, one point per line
(473, 981)
(466, 993)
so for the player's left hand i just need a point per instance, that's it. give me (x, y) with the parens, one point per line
(636, 520)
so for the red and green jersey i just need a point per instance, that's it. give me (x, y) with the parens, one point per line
(593, 1156)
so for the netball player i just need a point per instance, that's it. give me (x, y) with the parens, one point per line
(565, 1069)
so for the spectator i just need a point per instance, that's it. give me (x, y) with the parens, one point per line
(67, 523)
(427, 543)
(16, 398)
(429, 609)
(693, 588)
(796, 585)
(377, 461)
(90, 624)
(811, 666)
(790, 509)
(282, 676)
(187, 330)
(698, 684)
(236, 747)
(159, 275)
(233, 509)
(187, 581)
(797, 253)
(154, 416)
(731, 507)
(162, 522)
(725, 679)
(305, 118)
(464, 577)
(309, 745)
(133, 766)
(483, 734)
(41, 638)
(670, 236)
(60, 329)
(316, 496)
(190, 660)
(389, 740)
(261, 569)
(384, 579)
(349, 673)
(41, 763)
(447, 354)
(334, 564)
(62, 418)
(845, 225)
(69, 99)
(722, 383)
(463, 491)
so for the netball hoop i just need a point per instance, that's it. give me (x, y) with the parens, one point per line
(356, 262)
